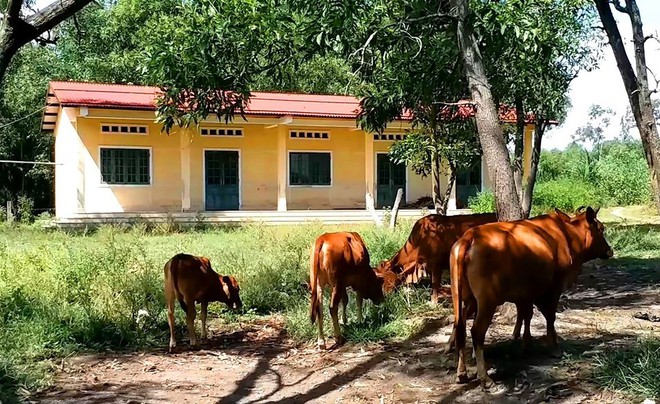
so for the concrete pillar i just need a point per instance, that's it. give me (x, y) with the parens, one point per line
(282, 156)
(369, 167)
(186, 137)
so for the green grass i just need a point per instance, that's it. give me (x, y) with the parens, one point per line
(635, 370)
(63, 293)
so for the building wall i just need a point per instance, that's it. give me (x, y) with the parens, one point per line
(177, 164)
(347, 171)
(257, 165)
(164, 192)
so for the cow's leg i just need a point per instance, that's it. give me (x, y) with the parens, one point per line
(320, 342)
(335, 300)
(469, 310)
(436, 281)
(459, 337)
(481, 323)
(358, 303)
(202, 316)
(191, 313)
(344, 303)
(549, 311)
(170, 320)
(525, 313)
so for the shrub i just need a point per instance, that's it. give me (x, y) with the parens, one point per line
(622, 176)
(484, 202)
(25, 209)
(564, 194)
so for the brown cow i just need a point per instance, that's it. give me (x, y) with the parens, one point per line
(526, 262)
(428, 247)
(341, 260)
(191, 279)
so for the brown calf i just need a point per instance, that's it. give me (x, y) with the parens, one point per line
(526, 262)
(190, 279)
(428, 247)
(341, 260)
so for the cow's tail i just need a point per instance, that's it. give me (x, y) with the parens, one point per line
(457, 263)
(170, 267)
(314, 268)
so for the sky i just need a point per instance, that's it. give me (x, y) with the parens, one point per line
(602, 86)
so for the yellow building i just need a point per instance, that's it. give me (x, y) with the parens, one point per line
(292, 152)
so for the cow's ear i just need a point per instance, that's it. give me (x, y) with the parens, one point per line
(562, 215)
(591, 214)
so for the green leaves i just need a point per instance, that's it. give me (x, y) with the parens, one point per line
(207, 54)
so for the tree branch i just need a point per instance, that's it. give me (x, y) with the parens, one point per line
(55, 13)
(619, 7)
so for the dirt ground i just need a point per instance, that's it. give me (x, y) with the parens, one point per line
(258, 364)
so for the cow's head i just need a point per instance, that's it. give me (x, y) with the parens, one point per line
(373, 288)
(232, 291)
(592, 231)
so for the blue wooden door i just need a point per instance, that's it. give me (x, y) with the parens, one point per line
(221, 180)
(468, 184)
(389, 178)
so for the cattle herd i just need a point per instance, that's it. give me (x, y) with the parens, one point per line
(527, 262)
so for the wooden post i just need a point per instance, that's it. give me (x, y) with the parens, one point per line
(10, 212)
(395, 208)
(371, 208)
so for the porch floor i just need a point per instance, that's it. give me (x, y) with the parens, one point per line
(269, 217)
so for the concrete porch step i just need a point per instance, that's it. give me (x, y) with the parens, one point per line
(291, 217)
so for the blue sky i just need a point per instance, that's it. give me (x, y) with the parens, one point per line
(602, 86)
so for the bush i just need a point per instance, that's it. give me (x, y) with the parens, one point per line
(484, 202)
(564, 194)
(622, 176)
(25, 209)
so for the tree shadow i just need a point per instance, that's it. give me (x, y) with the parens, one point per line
(336, 381)
(615, 283)
(9, 385)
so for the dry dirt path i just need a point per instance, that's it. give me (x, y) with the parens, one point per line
(258, 364)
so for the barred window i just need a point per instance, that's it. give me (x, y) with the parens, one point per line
(125, 166)
(309, 168)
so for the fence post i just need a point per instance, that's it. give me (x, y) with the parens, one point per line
(371, 208)
(395, 208)
(10, 212)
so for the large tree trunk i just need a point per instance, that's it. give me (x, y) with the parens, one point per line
(528, 193)
(636, 84)
(487, 119)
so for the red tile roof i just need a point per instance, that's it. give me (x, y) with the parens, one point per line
(261, 103)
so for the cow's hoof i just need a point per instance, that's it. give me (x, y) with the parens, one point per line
(487, 382)
(462, 378)
(171, 349)
(320, 345)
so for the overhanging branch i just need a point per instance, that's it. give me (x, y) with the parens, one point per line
(55, 13)
(619, 7)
